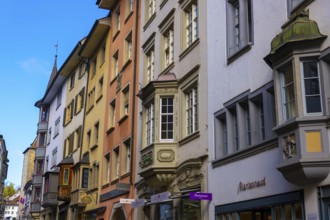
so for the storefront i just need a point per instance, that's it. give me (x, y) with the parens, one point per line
(283, 206)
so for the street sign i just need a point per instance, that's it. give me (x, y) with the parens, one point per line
(200, 196)
(138, 203)
(126, 201)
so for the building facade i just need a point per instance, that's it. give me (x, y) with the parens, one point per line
(269, 155)
(118, 152)
(3, 172)
(172, 139)
(27, 171)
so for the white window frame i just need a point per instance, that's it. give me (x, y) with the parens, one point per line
(151, 8)
(283, 95)
(168, 46)
(191, 111)
(150, 124)
(166, 114)
(150, 68)
(192, 28)
(304, 90)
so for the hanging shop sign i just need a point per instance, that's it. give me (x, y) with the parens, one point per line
(200, 196)
(126, 201)
(160, 197)
(138, 203)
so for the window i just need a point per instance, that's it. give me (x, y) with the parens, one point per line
(115, 64)
(129, 7)
(39, 167)
(91, 99)
(150, 124)
(128, 47)
(96, 133)
(42, 137)
(37, 194)
(89, 139)
(167, 119)
(150, 65)
(239, 25)
(106, 175)
(115, 164)
(151, 10)
(68, 113)
(117, 20)
(82, 69)
(245, 121)
(93, 67)
(66, 173)
(79, 101)
(94, 176)
(311, 87)
(72, 79)
(112, 113)
(168, 46)
(295, 4)
(49, 135)
(57, 126)
(288, 96)
(191, 23)
(191, 111)
(102, 54)
(84, 178)
(126, 156)
(44, 114)
(100, 88)
(77, 138)
(125, 101)
(54, 157)
(58, 99)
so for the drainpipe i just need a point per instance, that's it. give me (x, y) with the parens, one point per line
(134, 88)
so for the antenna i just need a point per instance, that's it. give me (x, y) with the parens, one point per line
(56, 46)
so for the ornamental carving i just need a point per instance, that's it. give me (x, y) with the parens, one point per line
(146, 159)
(165, 155)
(289, 147)
(189, 177)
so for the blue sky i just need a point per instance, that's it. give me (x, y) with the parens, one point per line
(28, 32)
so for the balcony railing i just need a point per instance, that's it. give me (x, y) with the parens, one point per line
(36, 180)
(49, 199)
(35, 207)
(64, 192)
(42, 126)
(76, 197)
(40, 152)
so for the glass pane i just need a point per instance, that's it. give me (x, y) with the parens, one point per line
(288, 212)
(278, 214)
(245, 216)
(310, 69)
(298, 211)
(191, 209)
(313, 104)
(312, 86)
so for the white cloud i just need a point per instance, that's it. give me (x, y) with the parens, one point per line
(35, 66)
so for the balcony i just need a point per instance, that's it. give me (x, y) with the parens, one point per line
(64, 192)
(35, 207)
(40, 152)
(49, 199)
(37, 180)
(158, 163)
(42, 126)
(77, 198)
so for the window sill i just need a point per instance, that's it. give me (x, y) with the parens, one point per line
(188, 49)
(110, 130)
(126, 64)
(78, 111)
(114, 79)
(90, 109)
(245, 153)
(115, 181)
(239, 53)
(115, 35)
(189, 138)
(167, 69)
(106, 185)
(162, 4)
(99, 98)
(149, 21)
(122, 119)
(91, 190)
(125, 175)
(94, 147)
(128, 16)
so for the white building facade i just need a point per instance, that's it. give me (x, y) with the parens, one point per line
(268, 108)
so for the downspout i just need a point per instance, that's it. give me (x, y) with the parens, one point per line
(134, 88)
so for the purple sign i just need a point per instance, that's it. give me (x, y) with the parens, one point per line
(200, 196)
